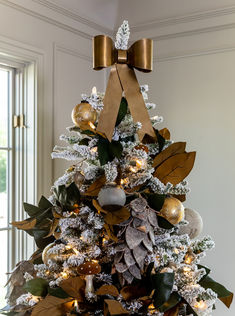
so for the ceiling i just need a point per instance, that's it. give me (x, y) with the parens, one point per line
(110, 13)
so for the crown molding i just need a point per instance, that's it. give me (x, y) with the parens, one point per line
(46, 19)
(198, 16)
(195, 53)
(194, 32)
(73, 52)
(151, 25)
(74, 15)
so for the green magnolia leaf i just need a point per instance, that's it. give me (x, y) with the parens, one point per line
(67, 196)
(108, 151)
(116, 149)
(40, 240)
(37, 287)
(84, 141)
(44, 216)
(86, 132)
(155, 201)
(31, 210)
(223, 294)
(73, 194)
(58, 292)
(190, 310)
(163, 223)
(174, 299)
(161, 140)
(44, 204)
(103, 151)
(207, 271)
(163, 285)
(122, 111)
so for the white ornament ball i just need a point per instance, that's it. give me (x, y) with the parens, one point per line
(195, 225)
(111, 197)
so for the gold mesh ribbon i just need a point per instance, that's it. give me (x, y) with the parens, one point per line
(122, 78)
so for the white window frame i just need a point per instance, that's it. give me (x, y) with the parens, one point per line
(37, 136)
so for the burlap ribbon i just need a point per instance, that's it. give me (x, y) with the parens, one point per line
(123, 79)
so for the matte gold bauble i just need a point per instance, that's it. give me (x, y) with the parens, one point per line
(46, 257)
(83, 115)
(172, 210)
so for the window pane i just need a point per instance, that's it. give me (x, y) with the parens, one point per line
(3, 266)
(3, 189)
(3, 107)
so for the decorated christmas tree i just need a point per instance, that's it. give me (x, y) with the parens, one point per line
(114, 237)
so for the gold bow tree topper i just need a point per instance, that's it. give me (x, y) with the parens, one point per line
(122, 79)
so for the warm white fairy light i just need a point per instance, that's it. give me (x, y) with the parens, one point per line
(94, 91)
(94, 149)
(201, 305)
(91, 125)
(76, 306)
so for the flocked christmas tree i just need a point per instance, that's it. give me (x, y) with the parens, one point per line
(114, 237)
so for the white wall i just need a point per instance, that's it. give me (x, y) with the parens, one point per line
(193, 85)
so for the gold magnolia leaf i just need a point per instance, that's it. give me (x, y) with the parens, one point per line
(57, 215)
(135, 188)
(176, 168)
(117, 217)
(74, 287)
(227, 300)
(131, 292)
(181, 197)
(110, 232)
(37, 254)
(53, 227)
(173, 311)
(98, 207)
(112, 307)
(25, 224)
(107, 290)
(165, 133)
(175, 148)
(95, 187)
(49, 306)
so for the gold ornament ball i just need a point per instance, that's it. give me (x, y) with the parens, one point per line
(172, 210)
(46, 257)
(83, 114)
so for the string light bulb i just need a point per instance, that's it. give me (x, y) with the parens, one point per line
(137, 164)
(124, 181)
(189, 258)
(94, 149)
(94, 91)
(64, 275)
(92, 126)
(76, 306)
(201, 305)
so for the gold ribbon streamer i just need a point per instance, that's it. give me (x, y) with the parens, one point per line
(122, 78)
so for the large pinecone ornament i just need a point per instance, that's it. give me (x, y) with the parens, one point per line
(136, 240)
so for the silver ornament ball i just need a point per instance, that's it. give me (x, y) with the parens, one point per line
(111, 197)
(195, 225)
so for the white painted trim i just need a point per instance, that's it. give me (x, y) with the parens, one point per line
(197, 16)
(163, 58)
(194, 32)
(74, 15)
(146, 26)
(73, 52)
(21, 53)
(45, 18)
